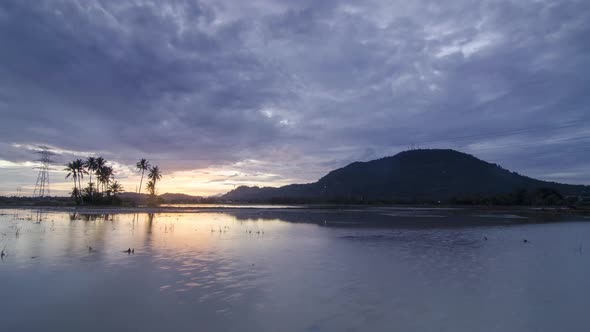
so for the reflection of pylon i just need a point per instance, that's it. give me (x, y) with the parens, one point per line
(42, 184)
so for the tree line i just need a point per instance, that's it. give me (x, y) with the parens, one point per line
(522, 197)
(106, 188)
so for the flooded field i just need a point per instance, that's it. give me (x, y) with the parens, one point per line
(356, 269)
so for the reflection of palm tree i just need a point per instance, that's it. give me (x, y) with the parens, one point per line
(150, 222)
(142, 165)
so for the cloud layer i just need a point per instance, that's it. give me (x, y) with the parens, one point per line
(276, 91)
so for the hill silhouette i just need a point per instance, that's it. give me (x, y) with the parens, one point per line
(168, 198)
(411, 176)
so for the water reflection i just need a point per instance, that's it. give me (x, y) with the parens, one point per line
(262, 270)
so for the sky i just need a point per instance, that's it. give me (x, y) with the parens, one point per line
(222, 93)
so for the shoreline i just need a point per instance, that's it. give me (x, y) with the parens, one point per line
(220, 208)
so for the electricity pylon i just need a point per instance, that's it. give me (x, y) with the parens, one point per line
(42, 184)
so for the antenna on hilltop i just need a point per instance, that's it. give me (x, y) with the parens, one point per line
(414, 146)
(42, 184)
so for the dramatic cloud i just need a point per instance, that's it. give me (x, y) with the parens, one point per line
(221, 93)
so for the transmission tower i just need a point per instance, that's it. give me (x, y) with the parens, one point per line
(42, 184)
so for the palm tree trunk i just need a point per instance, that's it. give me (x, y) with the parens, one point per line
(75, 188)
(140, 182)
(79, 189)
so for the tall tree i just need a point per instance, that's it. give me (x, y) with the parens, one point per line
(151, 188)
(91, 167)
(116, 187)
(155, 175)
(79, 166)
(73, 173)
(104, 175)
(100, 164)
(75, 194)
(142, 165)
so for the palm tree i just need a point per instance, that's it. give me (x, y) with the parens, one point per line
(72, 172)
(89, 190)
(142, 165)
(109, 176)
(104, 174)
(100, 164)
(91, 166)
(151, 187)
(116, 187)
(75, 193)
(155, 175)
(79, 166)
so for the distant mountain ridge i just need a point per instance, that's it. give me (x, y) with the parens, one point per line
(171, 198)
(409, 176)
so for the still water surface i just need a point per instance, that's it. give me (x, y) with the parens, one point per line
(294, 270)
